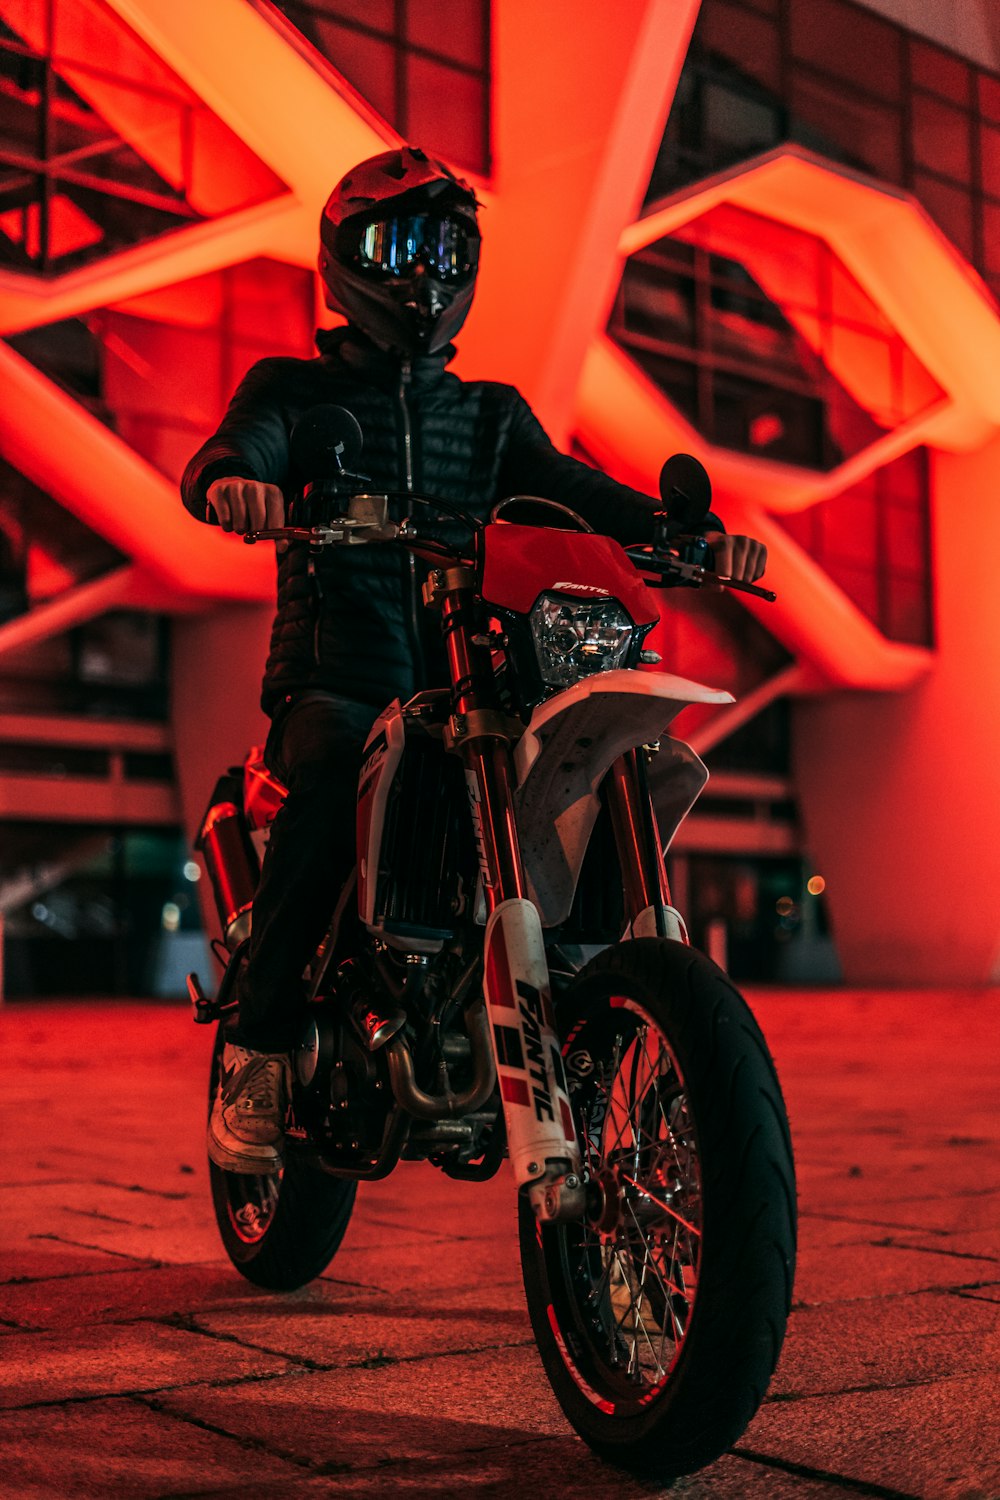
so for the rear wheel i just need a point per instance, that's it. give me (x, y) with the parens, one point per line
(660, 1317)
(282, 1229)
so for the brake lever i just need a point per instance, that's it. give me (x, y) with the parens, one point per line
(285, 534)
(707, 577)
(696, 575)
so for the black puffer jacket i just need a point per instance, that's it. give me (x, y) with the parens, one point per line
(357, 627)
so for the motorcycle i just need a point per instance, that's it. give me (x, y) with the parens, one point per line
(555, 1013)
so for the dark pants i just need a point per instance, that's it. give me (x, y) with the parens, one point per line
(315, 748)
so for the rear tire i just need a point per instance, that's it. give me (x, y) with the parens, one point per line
(660, 1318)
(283, 1229)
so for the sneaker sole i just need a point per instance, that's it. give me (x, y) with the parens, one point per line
(248, 1166)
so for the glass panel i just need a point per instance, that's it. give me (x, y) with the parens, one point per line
(859, 583)
(120, 169)
(366, 62)
(907, 612)
(906, 539)
(949, 207)
(991, 237)
(941, 137)
(735, 124)
(659, 303)
(933, 68)
(677, 380)
(904, 481)
(772, 423)
(457, 30)
(989, 155)
(378, 15)
(850, 43)
(849, 528)
(988, 89)
(749, 41)
(21, 83)
(447, 111)
(859, 131)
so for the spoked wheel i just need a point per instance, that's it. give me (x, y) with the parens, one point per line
(280, 1229)
(660, 1316)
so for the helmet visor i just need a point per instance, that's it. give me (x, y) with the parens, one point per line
(446, 244)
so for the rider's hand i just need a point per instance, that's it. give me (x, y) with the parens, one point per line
(739, 557)
(245, 505)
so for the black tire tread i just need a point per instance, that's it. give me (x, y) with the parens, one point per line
(749, 1223)
(305, 1233)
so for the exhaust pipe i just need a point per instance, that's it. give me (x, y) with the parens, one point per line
(416, 1101)
(231, 861)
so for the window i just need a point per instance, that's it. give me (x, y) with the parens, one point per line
(424, 66)
(850, 85)
(874, 541)
(765, 341)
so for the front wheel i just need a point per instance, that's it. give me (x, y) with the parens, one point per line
(280, 1229)
(660, 1316)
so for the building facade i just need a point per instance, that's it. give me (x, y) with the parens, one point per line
(761, 231)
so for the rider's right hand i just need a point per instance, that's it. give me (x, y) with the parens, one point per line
(244, 505)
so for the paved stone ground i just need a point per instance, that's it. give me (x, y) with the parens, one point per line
(135, 1362)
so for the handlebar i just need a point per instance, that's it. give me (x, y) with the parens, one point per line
(367, 520)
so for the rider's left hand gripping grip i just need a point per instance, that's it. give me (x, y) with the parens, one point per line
(540, 1133)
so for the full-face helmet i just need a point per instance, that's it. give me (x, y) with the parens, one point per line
(399, 250)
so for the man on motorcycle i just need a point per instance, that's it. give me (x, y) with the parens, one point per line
(399, 255)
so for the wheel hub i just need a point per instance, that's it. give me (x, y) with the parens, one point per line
(605, 1201)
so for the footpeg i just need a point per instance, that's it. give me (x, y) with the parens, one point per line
(202, 1007)
(375, 1027)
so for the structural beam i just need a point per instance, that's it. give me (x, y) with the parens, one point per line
(75, 607)
(726, 721)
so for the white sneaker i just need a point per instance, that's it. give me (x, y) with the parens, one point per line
(246, 1131)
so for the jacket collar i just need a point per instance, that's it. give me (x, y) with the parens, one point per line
(357, 355)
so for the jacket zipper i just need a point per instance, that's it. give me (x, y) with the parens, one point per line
(418, 649)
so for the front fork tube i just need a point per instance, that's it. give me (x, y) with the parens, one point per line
(541, 1138)
(544, 1153)
(640, 852)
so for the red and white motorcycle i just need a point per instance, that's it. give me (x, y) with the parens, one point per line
(511, 898)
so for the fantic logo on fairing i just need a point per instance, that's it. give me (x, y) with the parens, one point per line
(582, 588)
(532, 1017)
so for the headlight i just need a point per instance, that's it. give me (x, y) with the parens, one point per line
(574, 638)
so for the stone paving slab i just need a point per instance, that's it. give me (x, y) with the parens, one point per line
(41, 1257)
(361, 1327)
(121, 1448)
(449, 1264)
(886, 1341)
(109, 1360)
(121, 1295)
(373, 1381)
(942, 1438)
(874, 1269)
(414, 1410)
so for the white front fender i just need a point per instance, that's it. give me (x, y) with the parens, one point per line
(571, 742)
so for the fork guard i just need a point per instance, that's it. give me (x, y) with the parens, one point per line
(542, 1138)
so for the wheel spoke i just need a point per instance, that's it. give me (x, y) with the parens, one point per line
(670, 1212)
(633, 1266)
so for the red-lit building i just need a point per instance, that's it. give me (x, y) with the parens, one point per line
(763, 231)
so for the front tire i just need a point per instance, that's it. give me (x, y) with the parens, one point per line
(282, 1229)
(660, 1317)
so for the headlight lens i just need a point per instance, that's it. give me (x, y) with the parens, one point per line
(574, 638)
